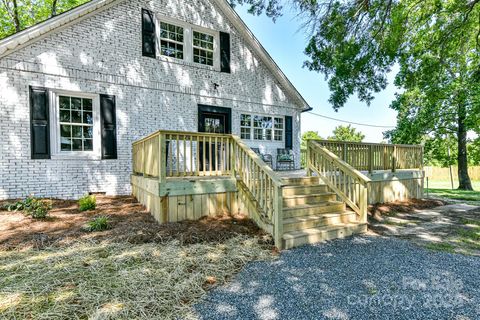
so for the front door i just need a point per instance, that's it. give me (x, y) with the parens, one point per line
(212, 120)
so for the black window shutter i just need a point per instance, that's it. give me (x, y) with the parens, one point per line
(288, 132)
(39, 123)
(224, 52)
(109, 127)
(148, 34)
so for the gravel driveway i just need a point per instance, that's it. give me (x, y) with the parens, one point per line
(364, 277)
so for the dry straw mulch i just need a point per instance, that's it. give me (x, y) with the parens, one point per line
(138, 269)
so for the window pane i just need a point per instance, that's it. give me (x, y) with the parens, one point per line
(258, 134)
(77, 132)
(245, 120)
(76, 103)
(64, 115)
(88, 132)
(66, 144)
(77, 144)
(88, 145)
(278, 123)
(64, 102)
(76, 117)
(278, 135)
(245, 133)
(87, 104)
(88, 117)
(65, 131)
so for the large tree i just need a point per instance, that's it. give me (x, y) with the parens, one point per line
(16, 15)
(435, 43)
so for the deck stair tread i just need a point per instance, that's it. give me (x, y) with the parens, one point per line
(316, 194)
(318, 216)
(319, 230)
(313, 205)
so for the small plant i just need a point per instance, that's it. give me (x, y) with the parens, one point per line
(98, 224)
(87, 202)
(32, 206)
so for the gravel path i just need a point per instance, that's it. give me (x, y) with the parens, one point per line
(363, 277)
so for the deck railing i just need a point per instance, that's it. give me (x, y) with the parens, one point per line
(348, 183)
(376, 156)
(168, 154)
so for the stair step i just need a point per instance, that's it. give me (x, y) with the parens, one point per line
(302, 189)
(313, 235)
(315, 198)
(318, 220)
(311, 209)
(304, 181)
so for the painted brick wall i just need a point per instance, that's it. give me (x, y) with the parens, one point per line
(102, 54)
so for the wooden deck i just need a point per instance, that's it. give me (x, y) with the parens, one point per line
(187, 175)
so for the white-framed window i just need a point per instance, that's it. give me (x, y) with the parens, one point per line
(171, 40)
(190, 43)
(261, 127)
(74, 125)
(203, 45)
(245, 126)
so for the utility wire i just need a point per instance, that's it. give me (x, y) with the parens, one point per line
(349, 122)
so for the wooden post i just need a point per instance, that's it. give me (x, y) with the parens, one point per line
(370, 158)
(307, 160)
(344, 152)
(364, 203)
(233, 158)
(144, 159)
(394, 158)
(278, 218)
(162, 159)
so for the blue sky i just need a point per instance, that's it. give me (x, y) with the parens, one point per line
(285, 42)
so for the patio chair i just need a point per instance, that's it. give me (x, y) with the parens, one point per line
(285, 159)
(267, 158)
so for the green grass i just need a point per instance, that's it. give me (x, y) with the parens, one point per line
(455, 194)
(446, 184)
(441, 246)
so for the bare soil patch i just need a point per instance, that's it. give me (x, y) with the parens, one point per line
(129, 220)
(391, 208)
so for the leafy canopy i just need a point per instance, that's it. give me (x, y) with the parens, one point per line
(347, 133)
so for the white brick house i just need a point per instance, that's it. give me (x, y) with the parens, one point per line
(78, 89)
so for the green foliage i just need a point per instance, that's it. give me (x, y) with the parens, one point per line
(87, 202)
(30, 12)
(309, 135)
(347, 133)
(31, 206)
(98, 224)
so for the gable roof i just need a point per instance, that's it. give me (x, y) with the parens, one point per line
(40, 30)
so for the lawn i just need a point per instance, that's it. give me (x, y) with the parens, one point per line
(54, 268)
(442, 189)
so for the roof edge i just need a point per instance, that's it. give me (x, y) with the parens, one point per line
(264, 55)
(10, 43)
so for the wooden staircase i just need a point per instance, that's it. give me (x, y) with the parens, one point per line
(311, 213)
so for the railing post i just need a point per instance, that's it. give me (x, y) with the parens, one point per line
(394, 158)
(233, 158)
(144, 159)
(370, 158)
(278, 218)
(364, 203)
(307, 160)
(344, 155)
(162, 159)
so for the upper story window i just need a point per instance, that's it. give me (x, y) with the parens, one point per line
(203, 48)
(171, 40)
(184, 41)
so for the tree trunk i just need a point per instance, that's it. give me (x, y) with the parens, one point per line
(16, 20)
(54, 8)
(463, 178)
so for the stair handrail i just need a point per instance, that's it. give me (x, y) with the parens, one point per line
(350, 185)
(263, 184)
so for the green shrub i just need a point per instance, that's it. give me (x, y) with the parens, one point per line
(98, 224)
(31, 206)
(87, 202)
